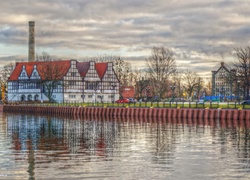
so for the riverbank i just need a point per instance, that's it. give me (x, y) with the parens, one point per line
(189, 104)
(197, 113)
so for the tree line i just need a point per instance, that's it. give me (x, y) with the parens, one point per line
(165, 80)
(161, 77)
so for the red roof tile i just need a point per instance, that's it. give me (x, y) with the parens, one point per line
(83, 68)
(29, 66)
(101, 69)
(56, 69)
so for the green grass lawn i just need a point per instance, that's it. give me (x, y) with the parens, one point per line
(212, 105)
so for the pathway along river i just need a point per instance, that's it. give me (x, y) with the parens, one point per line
(42, 147)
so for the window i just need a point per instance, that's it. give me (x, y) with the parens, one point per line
(36, 98)
(73, 74)
(23, 98)
(90, 96)
(72, 83)
(99, 96)
(72, 96)
(29, 97)
(92, 85)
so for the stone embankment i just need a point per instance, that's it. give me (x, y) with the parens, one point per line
(231, 114)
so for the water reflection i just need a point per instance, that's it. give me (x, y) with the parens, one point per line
(45, 147)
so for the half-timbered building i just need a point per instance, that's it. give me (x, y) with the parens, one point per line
(61, 81)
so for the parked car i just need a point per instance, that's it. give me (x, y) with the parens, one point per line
(132, 100)
(124, 100)
(245, 102)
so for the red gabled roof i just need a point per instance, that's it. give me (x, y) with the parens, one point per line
(57, 69)
(17, 71)
(83, 68)
(101, 69)
(29, 67)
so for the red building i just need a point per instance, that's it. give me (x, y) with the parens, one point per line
(127, 91)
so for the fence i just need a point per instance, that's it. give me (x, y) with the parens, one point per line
(210, 105)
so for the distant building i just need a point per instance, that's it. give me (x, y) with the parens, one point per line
(71, 81)
(223, 81)
(127, 91)
(147, 93)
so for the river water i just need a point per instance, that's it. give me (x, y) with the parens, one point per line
(42, 147)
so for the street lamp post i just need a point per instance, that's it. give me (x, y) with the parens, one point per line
(101, 97)
(95, 88)
(238, 87)
(204, 94)
(41, 92)
(172, 87)
(113, 90)
(95, 94)
(222, 93)
(147, 90)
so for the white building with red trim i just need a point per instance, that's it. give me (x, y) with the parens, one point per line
(71, 81)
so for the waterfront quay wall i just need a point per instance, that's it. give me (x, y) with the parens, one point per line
(192, 113)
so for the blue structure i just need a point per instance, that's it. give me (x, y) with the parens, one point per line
(219, 98)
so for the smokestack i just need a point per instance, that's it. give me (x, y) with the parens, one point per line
(31, 41)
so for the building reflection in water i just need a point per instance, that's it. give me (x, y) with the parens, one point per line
(61, 134)
(58, 139)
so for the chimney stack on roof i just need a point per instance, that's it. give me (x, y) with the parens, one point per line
(31, 41)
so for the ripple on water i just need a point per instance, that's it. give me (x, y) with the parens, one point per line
(42, 147)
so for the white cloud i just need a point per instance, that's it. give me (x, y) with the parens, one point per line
(199, 32)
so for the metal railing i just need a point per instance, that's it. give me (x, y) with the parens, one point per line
(189, 104)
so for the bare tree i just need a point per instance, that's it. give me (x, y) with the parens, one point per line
(199, 86)
(230, 79)
(243, 69)
(161, 65)
(6, 72)
(123, 71)
(43, 57)
(4, 75)
(142, 82)
(208, 87)
(190, 82)
(177, 81)
(52, 76)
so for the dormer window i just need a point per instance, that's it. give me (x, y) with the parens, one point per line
(35, 74)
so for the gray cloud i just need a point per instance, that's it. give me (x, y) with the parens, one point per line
(199, 32)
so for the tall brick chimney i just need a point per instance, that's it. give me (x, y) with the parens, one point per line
(31, 41)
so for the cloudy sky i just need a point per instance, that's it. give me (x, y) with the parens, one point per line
(202, 33)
